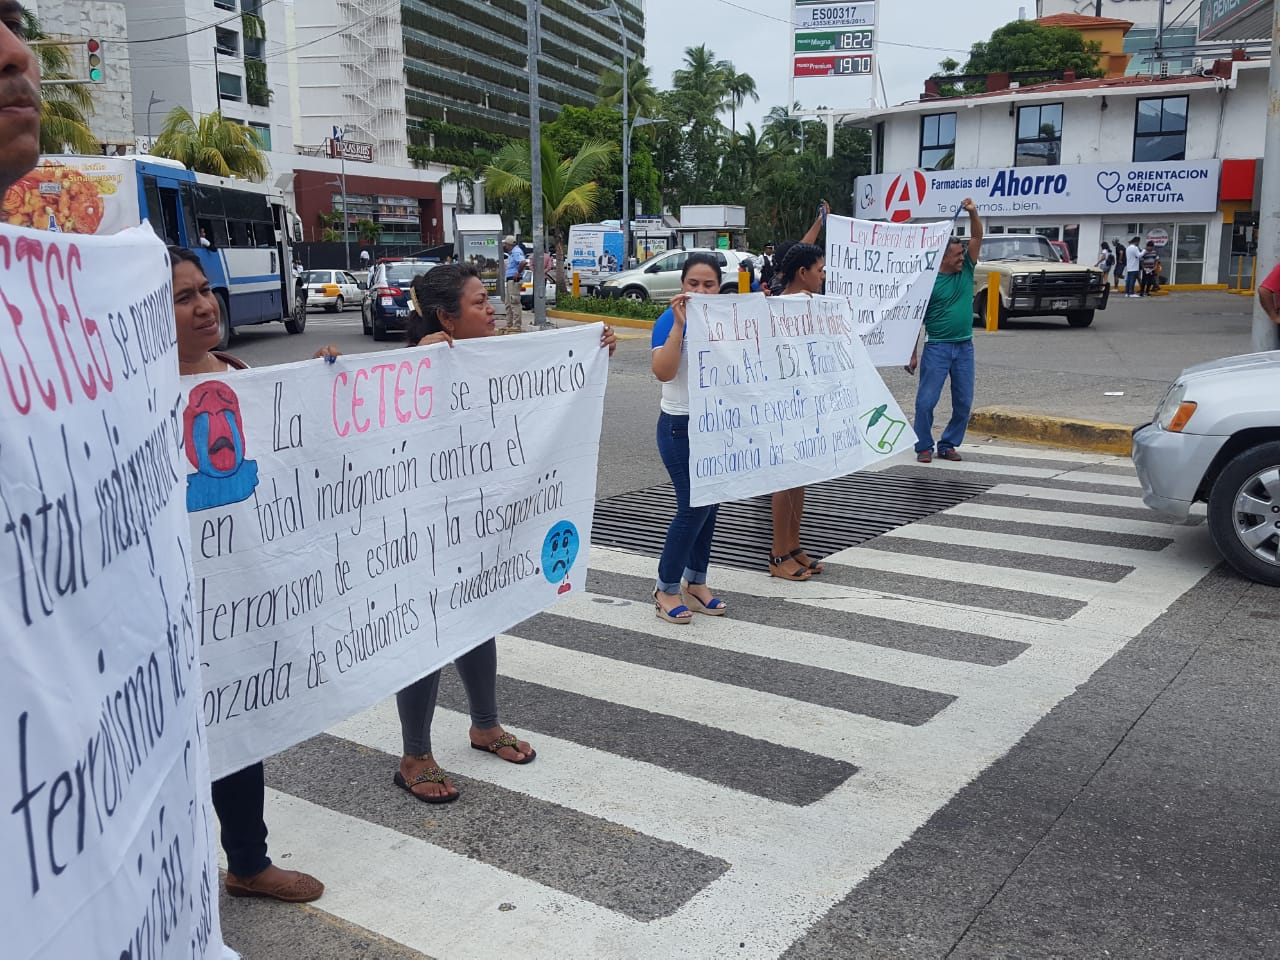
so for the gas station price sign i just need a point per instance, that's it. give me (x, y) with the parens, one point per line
(835, 41)
(835, 65)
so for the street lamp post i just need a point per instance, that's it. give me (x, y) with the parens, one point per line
(626, 140)
(151, 103)
(339, 135)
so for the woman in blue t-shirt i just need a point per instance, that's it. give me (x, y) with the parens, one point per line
(682, 589)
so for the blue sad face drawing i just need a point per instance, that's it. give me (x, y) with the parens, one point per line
(559, 551)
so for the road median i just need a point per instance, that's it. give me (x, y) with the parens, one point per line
(1090, 435)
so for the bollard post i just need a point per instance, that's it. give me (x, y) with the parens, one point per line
(577, 284)
(1240, 274)
(744, 282)
(1253, 276)
(993, 303)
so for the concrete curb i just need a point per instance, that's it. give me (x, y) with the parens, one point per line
(1088, 435)
(601, 318)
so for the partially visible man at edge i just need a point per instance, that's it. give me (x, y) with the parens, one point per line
(948, 348)
(19, 153)
(19, 98)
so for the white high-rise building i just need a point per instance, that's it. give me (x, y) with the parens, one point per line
(346, 70)
(207, 55)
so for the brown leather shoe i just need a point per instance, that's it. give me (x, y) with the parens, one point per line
(276, 884)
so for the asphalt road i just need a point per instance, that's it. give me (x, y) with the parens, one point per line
(1038, 723)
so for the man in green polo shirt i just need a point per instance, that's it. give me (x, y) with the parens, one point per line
(948, 348)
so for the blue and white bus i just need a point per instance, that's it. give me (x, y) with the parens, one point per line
(243, 232)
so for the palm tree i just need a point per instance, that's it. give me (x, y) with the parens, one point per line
(212, 145)
(465, 179)
(738, 89)
(702, 72)
(62, 107)
(570, 193)
(782, 129)
(642, 97)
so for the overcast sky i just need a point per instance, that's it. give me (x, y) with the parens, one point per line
(911, 36)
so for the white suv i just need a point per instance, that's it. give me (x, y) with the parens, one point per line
(659, 278)
(1216, 440)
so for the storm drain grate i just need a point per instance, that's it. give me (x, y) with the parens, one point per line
(838, 514)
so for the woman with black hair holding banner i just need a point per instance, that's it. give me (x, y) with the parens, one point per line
(682, 588)
(450, 303)
(238, 798)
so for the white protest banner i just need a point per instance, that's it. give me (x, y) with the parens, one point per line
(782, 394)
(886, 270)
(108, 833)
(357, 525)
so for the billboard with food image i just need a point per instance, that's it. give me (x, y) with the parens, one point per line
(75, 195)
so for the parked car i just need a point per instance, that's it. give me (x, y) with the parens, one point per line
(1035, 283)
(659, 277)
(386, 309)
(526, 289)
(1215, 439)
(332, 289)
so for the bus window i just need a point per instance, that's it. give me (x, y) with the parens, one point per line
(214, 230)
(154, 212)
(239, 233)
(188, 210)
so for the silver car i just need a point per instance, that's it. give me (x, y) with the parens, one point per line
(1216, 440)
(659, 278)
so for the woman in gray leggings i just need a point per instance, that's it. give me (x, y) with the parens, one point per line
(416, 704)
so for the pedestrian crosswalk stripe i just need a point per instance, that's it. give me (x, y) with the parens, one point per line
(968, 552)
(767, 671)
(1067, 494)
(1032, 454)
(1037, 546)
(976, 574)
(709, 752)
(678, 808)
(766, 717)
(789, 645)
(1157, 534)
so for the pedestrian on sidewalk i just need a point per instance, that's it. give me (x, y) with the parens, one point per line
(1132, 265)
(803, 271)
(1106, 260)
(450, 303)
(1118, 246)
(682, 588)
(1269, 295)
(511, 291)
(1149, 265)
(948, 348)
(238, 798)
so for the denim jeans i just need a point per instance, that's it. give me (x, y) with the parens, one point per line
(937, 362)
(687, 552)
(1130, 281)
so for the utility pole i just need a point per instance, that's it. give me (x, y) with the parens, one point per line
(339, 135)
(535, 166)
(1264, 330)
(626, 143)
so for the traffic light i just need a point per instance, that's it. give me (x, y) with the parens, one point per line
(94, 50)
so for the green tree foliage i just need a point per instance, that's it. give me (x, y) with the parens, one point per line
(368, 232)
(570, 191)
(577, 126)
(1025, 45)
(211, 144)
(63, 126)
(642, 98)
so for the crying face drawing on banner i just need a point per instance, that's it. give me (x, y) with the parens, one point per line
(559, 551)
(214, 434)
